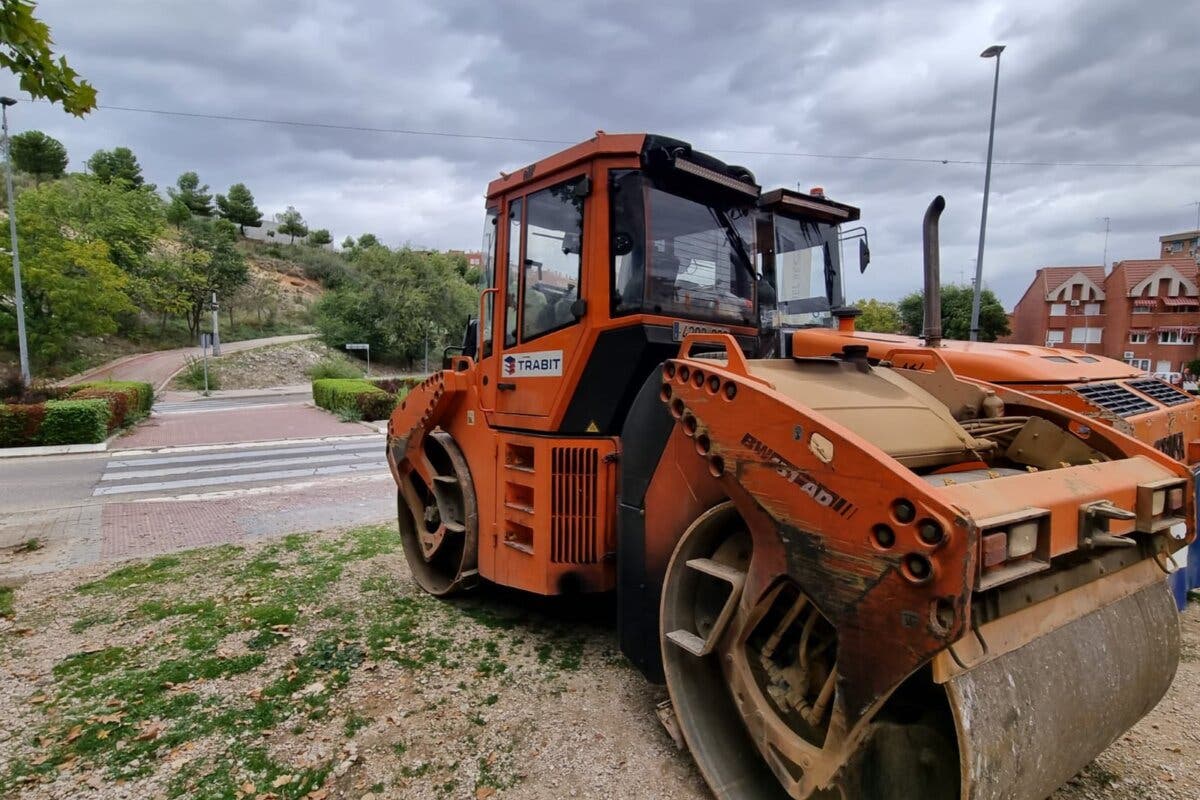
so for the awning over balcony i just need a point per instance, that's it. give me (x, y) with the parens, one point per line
(1181, 329)
(1181, 301)
(1145, 302)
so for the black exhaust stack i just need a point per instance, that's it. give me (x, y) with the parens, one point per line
(933, 273)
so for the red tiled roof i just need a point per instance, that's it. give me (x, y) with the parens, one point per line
(1137, 270)
(1054, 277)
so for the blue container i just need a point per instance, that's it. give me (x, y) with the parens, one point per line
(1178, 581)
(1193, 566)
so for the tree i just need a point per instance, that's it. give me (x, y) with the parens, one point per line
(392, 298)
(368, 240)
(196, 197)
(238, 207)
(38, 154)
(879, 316)
(956, 314)
(118, 164)
(178, 212)
(216, 265)
(85, 208)
(72, 284)
(291, 223)
(25, 51)
(348, 243)
(320, 237)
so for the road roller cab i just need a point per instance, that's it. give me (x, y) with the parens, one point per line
(849, 575)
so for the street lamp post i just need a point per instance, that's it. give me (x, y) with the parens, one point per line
(18, 295)
(992, 52)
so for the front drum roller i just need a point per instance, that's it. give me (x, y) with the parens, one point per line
(438, 516)
(754, 690)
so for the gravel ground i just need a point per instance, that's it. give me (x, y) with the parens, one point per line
(311, 667)
(268, 367)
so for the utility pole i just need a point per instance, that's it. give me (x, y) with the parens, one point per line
(992, 52)
(216, 326)
(1104, 261)
(18, 294)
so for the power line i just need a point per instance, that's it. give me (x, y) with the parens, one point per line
(532, 140)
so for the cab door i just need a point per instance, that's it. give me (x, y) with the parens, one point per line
(542, 304)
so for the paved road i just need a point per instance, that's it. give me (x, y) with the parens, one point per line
(207, 404)
(191, 470)
(121, 504)
(158, 367)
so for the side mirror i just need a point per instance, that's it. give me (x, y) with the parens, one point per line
(864, 254)
(579, 308)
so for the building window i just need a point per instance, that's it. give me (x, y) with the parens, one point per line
(1058, 309)
(1163, 367)
(1091, 309)
(1086, 335)
(1176, 247)
(1143, 309)
(1138, 337)
(1176, 337)
(1054, 336)
(1139, 363)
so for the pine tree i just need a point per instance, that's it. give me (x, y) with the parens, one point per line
(40, 155)
(291, 223)
(196, 197)
(238, 207)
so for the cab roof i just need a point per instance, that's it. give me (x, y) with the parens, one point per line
(653, 150)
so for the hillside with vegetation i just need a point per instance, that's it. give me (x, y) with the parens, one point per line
(112, 266)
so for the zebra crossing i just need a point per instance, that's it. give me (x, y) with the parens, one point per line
(214, 468)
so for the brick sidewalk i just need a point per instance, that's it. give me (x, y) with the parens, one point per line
(237, 425)
(138, 529)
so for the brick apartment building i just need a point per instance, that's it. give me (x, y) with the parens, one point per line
(1145, 312)
(1180, 244)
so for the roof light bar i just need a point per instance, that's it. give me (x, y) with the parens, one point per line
(707, 174)
(809, 205)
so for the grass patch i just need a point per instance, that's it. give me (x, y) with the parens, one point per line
(192, 376)
(6, 602)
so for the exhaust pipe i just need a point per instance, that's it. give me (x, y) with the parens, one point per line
(933, 273)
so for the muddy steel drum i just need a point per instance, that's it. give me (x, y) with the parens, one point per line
(1031, 719)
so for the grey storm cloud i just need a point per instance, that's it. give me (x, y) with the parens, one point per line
(1092, 82)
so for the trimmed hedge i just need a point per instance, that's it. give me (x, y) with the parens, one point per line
(86, 414)
(74, 422)
(334, 394)
(19, 424)
(144, 392)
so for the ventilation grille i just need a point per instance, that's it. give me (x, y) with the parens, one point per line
(573, 505)
(1161, 391)
(1115, 398)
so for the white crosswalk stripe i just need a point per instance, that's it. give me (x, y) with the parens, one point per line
(211, 470)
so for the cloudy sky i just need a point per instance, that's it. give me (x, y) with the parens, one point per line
(1097, 82)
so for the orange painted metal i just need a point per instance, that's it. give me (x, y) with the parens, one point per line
(1049, 373)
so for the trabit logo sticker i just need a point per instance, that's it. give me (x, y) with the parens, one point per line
(547, 363)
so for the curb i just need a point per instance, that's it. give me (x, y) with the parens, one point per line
(58, 449)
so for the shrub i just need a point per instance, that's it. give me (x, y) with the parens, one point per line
(397, 386)
(144, 392)
(334, 368)
(335, 394)
(122, 404)
(19, 424)
(74, 422)
(192, 374)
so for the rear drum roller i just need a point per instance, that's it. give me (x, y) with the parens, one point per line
(754, 688)
(439, 518)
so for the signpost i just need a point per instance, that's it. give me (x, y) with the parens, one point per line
(206, 341)
(362, 346)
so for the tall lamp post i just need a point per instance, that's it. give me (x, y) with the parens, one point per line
(18, 295)
(992, 52)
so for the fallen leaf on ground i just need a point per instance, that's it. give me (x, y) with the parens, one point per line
(38, 698)
(150, 731)
(246, 787)
(282, 780)
(484, 792)
(74, 733)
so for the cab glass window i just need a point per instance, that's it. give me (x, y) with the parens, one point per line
(489, 277)
(513, 273)
(553, 248)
